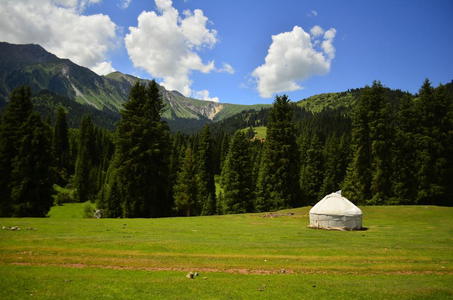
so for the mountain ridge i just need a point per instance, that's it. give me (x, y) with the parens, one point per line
(32, 65)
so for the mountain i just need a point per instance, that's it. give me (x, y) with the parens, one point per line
(32, 65)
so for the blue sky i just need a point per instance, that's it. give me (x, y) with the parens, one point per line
(397, 42)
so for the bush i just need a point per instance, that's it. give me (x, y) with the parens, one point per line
(61, 198)
(88, 210)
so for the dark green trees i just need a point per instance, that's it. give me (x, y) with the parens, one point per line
(32, 175)
(205, 174)
(237, 181)
(404, 154)
(185, 189)
(25, 159)
(367, 179)
(278, 176)
(433, 108)
(139, 174)
(311, 171)
(11, 134)
(60, 145)
(85, 171)
(336, 158)
(401, 147)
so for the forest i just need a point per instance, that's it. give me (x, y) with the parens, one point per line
(389, 148)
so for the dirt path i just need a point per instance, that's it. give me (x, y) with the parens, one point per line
(231, 270)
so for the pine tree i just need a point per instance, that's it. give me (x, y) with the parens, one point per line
(279, 170)
(185, 190)
(60, 147)
(224, 146)
(336, 158)
(205, 174)
(369, 175)
(357, 184)
(237, 183)
(141, 159)
(32, 175)
(404, 154)
(311, 172)
(433, 110)
(84, 177)
(16, 114)
(381, 136)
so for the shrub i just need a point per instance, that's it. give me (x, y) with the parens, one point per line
(88, 210)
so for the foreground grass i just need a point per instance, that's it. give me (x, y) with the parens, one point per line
(407, 252)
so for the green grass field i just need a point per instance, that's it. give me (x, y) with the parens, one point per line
(260, 132)
(406, 253)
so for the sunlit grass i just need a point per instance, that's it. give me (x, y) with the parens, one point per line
(406, 253)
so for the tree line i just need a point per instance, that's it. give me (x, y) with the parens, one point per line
(392, 148)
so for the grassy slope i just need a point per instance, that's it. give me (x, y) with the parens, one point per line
(318, 103)
(406, 253)
(260, 132)
(232, 109)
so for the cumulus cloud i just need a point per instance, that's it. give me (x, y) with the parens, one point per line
(293, 57)
(327, 45)
(313, 13)
(124, 3)
(60, 28)
(103, 68)
(226, 68)
(204, 95)
(165, 44)
(316, 31)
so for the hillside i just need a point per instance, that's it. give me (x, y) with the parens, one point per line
(32, 65)
(342, 100)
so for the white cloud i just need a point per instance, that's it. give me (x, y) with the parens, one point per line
(326, 45)
(78, 5)
(316, 31)
(124, 3)
(293, 57)
(226, 68)
(204, 95)
(165, 44)
(60, 28)
(313, 13)
(103, 68)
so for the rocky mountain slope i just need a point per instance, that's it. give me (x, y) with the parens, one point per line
(32, 65)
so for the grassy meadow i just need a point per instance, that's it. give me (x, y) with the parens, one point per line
(406, 253)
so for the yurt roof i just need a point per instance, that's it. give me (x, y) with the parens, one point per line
(335, 204)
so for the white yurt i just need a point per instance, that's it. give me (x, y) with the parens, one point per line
(335, 212)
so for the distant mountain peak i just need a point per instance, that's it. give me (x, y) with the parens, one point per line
(32, 65)
(177, 93)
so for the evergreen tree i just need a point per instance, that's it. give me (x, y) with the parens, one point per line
(357, 184)
(12, 129)
(61, 146)
(404, 154)
(433, 110)
(176, 159)
(311, 172)
(85, 173)
(185, 190)
(336, 158)
(256, 148)
(224, 146)
(381, 136)
(279, 171)
(141, 161)
(32, 175)
(205, 174)
(237, 183)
